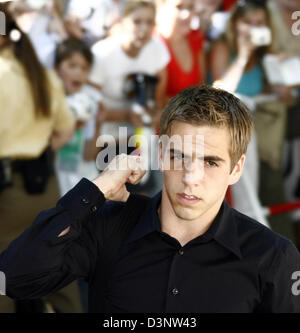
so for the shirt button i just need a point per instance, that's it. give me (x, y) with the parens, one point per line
(94, 209)
(181, 252)
(84, 200)
(175, 291)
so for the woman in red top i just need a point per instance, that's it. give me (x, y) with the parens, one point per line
(227, 4)
(186, 67)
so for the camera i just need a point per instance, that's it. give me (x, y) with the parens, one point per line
(140, 88)
(261, 36)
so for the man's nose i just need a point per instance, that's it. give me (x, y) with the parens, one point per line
(193, 173)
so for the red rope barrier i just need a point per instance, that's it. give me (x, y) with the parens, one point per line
(283, 208)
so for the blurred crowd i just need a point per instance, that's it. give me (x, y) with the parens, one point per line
(72, 70)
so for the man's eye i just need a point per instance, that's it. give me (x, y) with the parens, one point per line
(211, 164)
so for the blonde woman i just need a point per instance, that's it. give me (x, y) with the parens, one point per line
(34, 120)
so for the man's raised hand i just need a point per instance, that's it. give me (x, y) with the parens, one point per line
(123, 168)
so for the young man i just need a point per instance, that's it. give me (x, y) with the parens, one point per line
(188, 251)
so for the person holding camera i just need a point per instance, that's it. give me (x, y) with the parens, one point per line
(130, 49)
(236, 57)
(126, 63)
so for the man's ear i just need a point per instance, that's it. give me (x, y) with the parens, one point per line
(237, 170)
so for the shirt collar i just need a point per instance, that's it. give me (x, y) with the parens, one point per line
(223, 229)
(148, 222)
(226, 233)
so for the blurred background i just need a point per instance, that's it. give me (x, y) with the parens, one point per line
(73, 70)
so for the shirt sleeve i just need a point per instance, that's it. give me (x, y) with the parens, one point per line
(281, 290)
(39, 262)
(63, 116)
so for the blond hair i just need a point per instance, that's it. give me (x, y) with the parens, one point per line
(207, 106)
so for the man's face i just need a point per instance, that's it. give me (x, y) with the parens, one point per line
(198, 189)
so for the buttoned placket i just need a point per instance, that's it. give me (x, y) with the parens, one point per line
(173, 289)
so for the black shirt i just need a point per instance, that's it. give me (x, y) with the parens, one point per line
(237, 265)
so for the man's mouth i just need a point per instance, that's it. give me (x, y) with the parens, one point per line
(188, 198)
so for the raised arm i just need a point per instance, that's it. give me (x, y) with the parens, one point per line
(39, 262)
(63, 242)
(227, 75)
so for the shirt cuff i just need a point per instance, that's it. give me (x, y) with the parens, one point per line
(83, 200)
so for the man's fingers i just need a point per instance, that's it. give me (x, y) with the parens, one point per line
(136, 176)
(136, 164)
(123, 168)
(133, 165)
